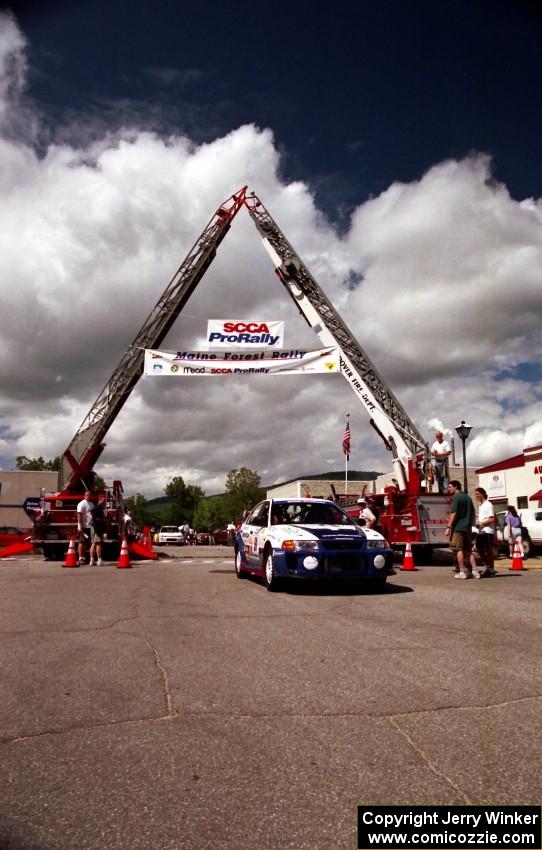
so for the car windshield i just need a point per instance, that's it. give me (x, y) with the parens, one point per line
(169, 529)
(309, 513)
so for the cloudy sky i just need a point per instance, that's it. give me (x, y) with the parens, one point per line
(396, 144)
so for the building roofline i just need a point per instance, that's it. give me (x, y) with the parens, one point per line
(508, 463)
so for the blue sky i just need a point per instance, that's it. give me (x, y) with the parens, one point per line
(397, 144)
(358, 94)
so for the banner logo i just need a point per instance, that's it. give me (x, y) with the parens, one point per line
(245, 333)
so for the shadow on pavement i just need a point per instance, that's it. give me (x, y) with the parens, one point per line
(329, 587)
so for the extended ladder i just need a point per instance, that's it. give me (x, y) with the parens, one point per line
(386, 414)
(86, 446)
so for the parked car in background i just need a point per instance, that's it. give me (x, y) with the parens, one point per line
(220, 537)
(170, 535)
(309, 539)
(9, 535)
(203, 538)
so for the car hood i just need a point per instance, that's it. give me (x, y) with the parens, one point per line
(316, 532)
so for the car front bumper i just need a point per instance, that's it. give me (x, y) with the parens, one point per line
(334, 564)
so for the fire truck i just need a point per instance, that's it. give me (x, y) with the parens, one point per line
(408, 513)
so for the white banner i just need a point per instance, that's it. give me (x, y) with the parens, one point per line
(181, 363)
(245, 333)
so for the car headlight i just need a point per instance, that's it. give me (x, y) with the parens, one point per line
(300, 545)
(378, 544)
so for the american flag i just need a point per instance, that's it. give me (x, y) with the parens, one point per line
(346, 437)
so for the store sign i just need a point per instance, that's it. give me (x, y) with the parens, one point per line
(496, 484)
(245, 333)
(30, 505)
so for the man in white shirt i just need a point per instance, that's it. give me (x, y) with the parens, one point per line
(231, 533)
(84, 524)
(485, 523)
(440, 452)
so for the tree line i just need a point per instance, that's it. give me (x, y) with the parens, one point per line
(189, 504)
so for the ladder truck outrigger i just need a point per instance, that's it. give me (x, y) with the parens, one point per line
(408, 514)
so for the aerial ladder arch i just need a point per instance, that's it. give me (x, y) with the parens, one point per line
(385, 412)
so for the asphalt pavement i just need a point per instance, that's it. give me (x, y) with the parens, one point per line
(174, 706)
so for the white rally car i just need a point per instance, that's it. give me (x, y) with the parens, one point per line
(170, 534)
(309, 539)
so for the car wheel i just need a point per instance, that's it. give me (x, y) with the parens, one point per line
(272, 583)
(527, 547)
(239, 571)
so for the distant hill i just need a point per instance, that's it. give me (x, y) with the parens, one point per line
(160, 506)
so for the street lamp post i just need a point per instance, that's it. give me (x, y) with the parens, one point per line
(463, 432)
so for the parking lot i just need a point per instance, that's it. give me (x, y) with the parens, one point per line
(173, 706)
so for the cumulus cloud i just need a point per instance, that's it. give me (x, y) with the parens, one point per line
(439, 280)
(12, 66)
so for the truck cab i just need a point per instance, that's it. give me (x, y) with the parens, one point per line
(55, 521)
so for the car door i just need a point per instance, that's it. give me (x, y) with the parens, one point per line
(253, 534)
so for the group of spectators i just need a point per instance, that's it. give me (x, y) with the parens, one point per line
(463, 518)
(92, 527)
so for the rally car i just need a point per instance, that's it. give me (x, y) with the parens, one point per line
(309, 539)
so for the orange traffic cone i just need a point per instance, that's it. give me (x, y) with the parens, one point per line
(517, 560)
(71, 557)
(147, 538)
(408, 560)
(16, 549)
(124, 557)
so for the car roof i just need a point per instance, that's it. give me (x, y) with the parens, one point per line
(301, 500)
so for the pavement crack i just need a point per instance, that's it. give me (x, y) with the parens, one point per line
(171, 712)
(473, 707)
(431, 765)
(79, 727)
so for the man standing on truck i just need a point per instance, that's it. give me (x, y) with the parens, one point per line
(440, 452)
(84, 525)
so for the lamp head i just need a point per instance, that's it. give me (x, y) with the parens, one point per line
(463, 430)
